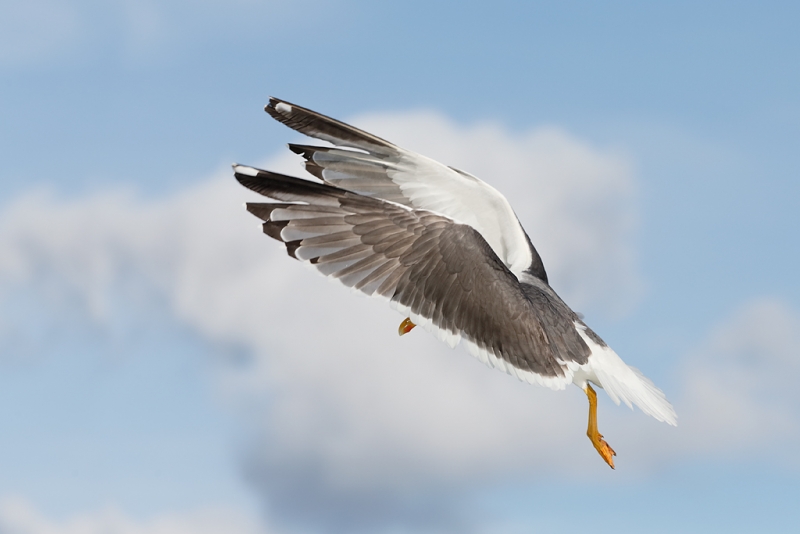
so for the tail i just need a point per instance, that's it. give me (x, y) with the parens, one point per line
(625, 383)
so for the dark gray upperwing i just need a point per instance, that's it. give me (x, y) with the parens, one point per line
(383, 170)
(363, 172)
(440, 270)
(317, 125)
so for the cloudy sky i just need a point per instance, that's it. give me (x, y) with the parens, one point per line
(167, 369)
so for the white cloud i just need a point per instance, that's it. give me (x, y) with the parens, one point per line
(740, 384)
(18, 516)
(351, 425)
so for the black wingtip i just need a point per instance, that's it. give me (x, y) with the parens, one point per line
(287, 188)
(245, 180)
(317, 125)
(273, 229)
(280, 109)
(291, 247)
(262, 210)
(297, 149)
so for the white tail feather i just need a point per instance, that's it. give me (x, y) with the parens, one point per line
(625, 383)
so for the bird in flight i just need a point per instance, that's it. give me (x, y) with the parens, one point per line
(446, 250)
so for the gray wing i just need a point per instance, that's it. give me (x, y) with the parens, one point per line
(380, 169)
(442, 273)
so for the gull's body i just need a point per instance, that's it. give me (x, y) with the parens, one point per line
(446, 250)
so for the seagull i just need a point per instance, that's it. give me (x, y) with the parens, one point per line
(446, 250)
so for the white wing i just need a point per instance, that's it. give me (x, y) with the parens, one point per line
(380, 169)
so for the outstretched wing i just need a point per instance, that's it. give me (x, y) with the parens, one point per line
(380, 169)
(441, 273)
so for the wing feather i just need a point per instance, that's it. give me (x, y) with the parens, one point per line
(441, 273)
(383, 170)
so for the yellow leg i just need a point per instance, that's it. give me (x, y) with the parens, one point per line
(596, 437)
(406, 326)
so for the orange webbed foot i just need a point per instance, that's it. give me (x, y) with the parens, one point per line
(405, 327)
(605, 450)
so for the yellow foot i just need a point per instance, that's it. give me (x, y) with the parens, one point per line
(605, 450)
(406, 326)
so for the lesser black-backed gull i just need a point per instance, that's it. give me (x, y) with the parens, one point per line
(446, 250)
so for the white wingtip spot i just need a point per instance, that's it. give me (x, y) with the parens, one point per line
(283, 107)
(243, 169)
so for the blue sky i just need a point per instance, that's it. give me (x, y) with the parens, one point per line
(150, 368)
